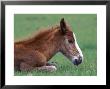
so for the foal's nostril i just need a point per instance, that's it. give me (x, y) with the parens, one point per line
(75, 62)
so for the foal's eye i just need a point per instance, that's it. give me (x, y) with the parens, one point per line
(70, 41)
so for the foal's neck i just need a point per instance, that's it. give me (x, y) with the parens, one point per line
(48, 44)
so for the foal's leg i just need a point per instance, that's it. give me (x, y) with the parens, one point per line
(51, 64)
(47, 68)
(31, 60)
(26, 67)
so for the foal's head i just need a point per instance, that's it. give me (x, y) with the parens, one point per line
(69, 46)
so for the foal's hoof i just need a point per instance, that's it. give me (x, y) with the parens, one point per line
(47, 68)
(51, 68)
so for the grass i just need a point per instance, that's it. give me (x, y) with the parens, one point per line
(85, 28)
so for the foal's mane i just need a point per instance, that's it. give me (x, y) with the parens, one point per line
(38, 34)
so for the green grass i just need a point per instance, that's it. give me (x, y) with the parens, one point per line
(85, 28)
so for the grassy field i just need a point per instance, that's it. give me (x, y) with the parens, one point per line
(85, 29)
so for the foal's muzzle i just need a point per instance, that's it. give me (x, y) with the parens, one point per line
(77, 61)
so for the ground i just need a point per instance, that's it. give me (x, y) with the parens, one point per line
(85, 28)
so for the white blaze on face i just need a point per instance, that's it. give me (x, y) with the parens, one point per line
(77, 46)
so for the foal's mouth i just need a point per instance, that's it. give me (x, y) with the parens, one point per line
(77, 62)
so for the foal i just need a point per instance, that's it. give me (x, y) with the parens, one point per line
(35, 52)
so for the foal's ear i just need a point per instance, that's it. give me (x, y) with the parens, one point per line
(63, 26)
